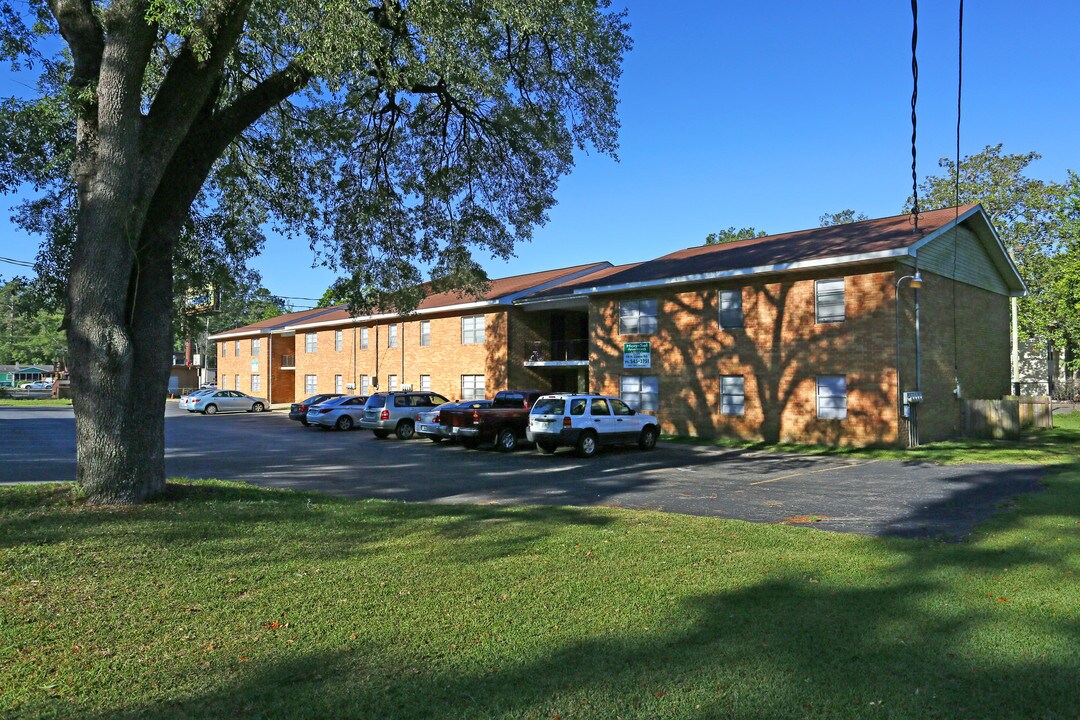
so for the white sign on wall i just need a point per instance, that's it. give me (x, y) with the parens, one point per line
(254, 366)
(637, 355)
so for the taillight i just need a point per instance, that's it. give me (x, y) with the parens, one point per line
(476, 417)
(384, 415)
(303, 408)
(436, 418)
(566, 422)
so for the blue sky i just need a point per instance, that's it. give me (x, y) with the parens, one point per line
(771, 114)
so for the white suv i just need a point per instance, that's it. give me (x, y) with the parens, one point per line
(586, 422)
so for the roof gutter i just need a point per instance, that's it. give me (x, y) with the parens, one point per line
(391, 316)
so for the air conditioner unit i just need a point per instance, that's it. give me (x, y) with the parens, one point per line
(407, 387)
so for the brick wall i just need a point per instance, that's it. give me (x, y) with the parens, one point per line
(980, 352)
(779, 353)
(446, 359)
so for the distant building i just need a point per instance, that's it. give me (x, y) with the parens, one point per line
(15, 375)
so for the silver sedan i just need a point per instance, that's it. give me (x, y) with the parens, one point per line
(342, 413)
(225, 400)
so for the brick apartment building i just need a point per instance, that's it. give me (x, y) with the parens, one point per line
(789, 337)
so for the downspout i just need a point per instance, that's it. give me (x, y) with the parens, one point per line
(270, 369)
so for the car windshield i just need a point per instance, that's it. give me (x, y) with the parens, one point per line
(549, 406)
(375, 402)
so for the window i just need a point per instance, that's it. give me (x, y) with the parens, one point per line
(641, 392)
(311, 384)
(391, 383)
(472, 330)
(311, 342)
(637, 317)
(256, 383)
(363, 338)
(599, 407)
(224, 381)
(425, 332)
(236, 382)
(338, 340)
(829, 300)
(391, 336)
(338, 383)
(256, 345)
(832, 397)
(472, 387)
(425, 383)
(731, 309)
(732, 394)
(224, 349)
(618, 407)
(236, 349)
(365, 385)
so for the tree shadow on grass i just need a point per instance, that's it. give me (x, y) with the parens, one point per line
(786, 647)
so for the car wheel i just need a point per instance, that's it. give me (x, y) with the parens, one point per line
(546, 448)
(647, 441)
(470, 444)
(586, 444)
(258, 407)
(506, 441)
(381, 434)
(344, 423)
(210, 410)
(405, 430)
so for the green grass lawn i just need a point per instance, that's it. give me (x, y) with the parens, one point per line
(228, 601)
(1041, 447)
(32, 402)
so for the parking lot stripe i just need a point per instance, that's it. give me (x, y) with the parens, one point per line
(811, 472)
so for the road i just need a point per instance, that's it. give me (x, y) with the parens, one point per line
(843, 494)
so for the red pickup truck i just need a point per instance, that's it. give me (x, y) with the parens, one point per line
(504, 423)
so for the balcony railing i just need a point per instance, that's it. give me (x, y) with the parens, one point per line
(557, 351)
(288, 362)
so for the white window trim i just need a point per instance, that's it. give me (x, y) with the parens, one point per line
(742, 406)
(720, 310)
(834, 413)
(817, 299)
(477, 332)
(638, 404)
(637, 316)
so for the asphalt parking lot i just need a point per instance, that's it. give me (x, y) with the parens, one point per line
(909, 499)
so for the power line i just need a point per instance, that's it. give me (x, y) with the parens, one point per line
(20, 263)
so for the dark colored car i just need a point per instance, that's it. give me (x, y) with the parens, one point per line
(503, 423)
(298, 411)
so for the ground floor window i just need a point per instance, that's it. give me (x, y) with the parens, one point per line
(641, 392)
(338, 384)
(832, 397)
(732, 394)
(472, 387)
(391, 383)
(425, 383)
(311, 384)
(365, 385)
(224, 382)
(236, 382)
(256, 383)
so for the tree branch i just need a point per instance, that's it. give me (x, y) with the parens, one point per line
(84, 35)
(256, 102)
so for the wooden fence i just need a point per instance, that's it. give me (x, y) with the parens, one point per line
(1006, 418)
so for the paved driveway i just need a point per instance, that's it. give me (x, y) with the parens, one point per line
(846, 495)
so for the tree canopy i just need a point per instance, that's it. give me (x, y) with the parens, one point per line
(399, 137)
(733, 235)
(841, 218)
(31, 325)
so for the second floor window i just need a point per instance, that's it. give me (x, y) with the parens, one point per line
(311, 342)
(338, 339)
(363, 338)
(391, 336)
(425, 332)
(731, 309)
(637, 317)
(472, 330)
(256, 346)
(829, 300)
(236, 349)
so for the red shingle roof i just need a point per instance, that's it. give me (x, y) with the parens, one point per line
(837, 241)
(264, 326)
